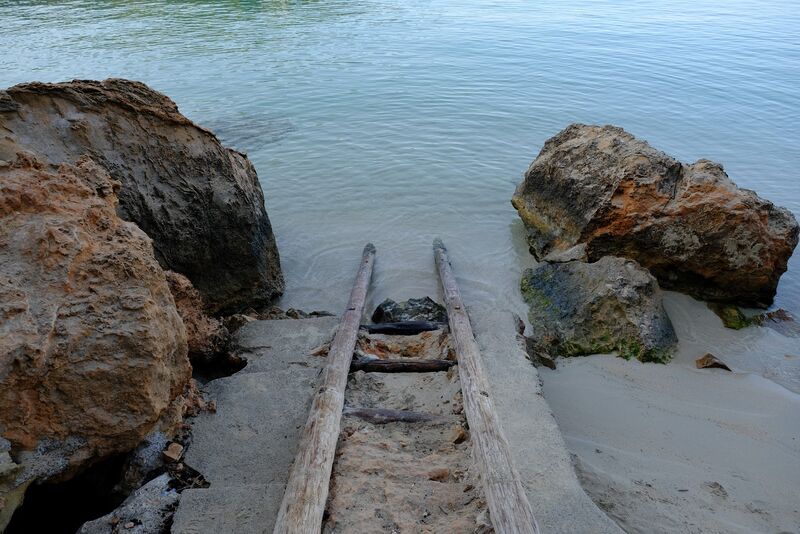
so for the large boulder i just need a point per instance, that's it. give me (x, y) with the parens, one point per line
(614, 304)
(604, 192)
(93, 353)
(199, 202)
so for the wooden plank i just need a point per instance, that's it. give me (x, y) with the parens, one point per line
(404, 365)
(307, 488)
(382, 416)
(407, 328)
(509, 508)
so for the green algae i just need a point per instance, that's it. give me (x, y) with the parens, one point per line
(732, 317)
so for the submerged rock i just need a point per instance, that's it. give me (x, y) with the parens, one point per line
(93, 355)
(199, 202)
(613, 304)
(424, 309)
(690, 225)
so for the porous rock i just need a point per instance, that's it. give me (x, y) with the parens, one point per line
(201, 203)
(93, 354)
(424, 309)
(613, 304)
(206, 336)
(690, 225)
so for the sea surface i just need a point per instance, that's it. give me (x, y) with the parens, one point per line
(397, 121)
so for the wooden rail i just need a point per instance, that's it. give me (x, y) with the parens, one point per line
(509, 508)
(404, 365)
(307, 488)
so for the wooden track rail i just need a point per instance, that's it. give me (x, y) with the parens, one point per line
(306, 492)
(509, 508)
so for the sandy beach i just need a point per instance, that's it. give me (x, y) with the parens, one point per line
(672, 448)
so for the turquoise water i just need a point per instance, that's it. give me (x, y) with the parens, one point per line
(396, 121)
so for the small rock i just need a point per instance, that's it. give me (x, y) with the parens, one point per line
(173, 452)
(459, 435)
(129, 525)
(709, 361)
(236, 321)
(483, 519)
(732, 317)
(717, 489)
(424, 309)
(440, 474)
(779, 320)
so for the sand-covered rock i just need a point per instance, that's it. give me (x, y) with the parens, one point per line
(92, 351)
(690, 225)
(614, 304)
(199, 202)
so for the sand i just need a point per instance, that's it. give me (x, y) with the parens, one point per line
(405, 477)
(671, 448)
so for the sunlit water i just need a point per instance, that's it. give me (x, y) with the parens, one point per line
(397, 121)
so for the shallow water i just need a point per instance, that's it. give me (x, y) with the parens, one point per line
(395, 122)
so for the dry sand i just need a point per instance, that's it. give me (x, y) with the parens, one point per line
(671, 448)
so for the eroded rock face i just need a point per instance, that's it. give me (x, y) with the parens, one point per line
(614, 304)
(206, 336)
(199, 202)
(690, 225)
(93, 354)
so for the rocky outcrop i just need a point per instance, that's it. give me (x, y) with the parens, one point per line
(206, 336)
(199, 202)
(613, 304)
(603, 190)
(424, 309)
(93, 354)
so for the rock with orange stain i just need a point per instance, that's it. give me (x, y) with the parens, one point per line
(206, 336)
(93, 353)
(596, 191)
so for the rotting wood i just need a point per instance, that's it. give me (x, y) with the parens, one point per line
(382, 416)
(405, 365)
(306, 491)
(406, 328)
(509, 508)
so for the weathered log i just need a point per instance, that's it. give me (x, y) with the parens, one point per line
(382, 416)
(508, 504)
(407, 328)
(309, 478)
(406, 365)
